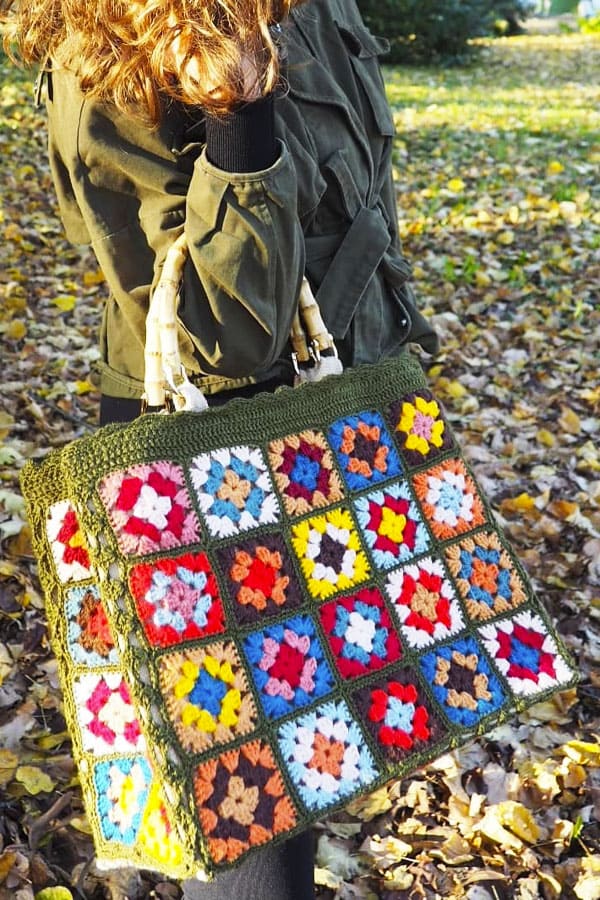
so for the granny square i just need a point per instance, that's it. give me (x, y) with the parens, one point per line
(234, 490)
(365, 450)
(304, 472)
(288, 666)
(330, 553)
(425, 602)
(67, 543)
(526, 654)
(149, 508)
(89, 637)
(391, 525)
(207, 695)
(485, 575)
(260, 577)
(107, 718)
(398, 714)
(326, 755)
(449, 499)
(360, 632)
(462, 681)
(158, 836)
(420, 427)
(122, 787)
(177, 599)
(242, 801)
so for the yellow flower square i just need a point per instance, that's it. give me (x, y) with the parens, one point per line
(330, 553)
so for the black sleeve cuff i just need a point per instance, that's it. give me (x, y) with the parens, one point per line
(245, 140)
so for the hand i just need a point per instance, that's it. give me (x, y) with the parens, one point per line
(207, 77)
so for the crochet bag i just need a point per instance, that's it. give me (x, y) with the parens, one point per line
(265, 610)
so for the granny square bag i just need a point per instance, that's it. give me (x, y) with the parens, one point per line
(264, 610)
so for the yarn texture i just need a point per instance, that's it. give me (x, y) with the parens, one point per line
(263, 611)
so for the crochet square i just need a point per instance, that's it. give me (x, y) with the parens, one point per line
(485, 576)
(462, 682)
(207, 695)
(330, 553)
(449, 499)
(360, 633)
(106, 715)
(234, 490)
(242, 801)
(304, 472)
(425, 602)
(326, 755)
(149, 508)
(399, 716)
(391, 525)
(365, 451)
(122, 787)
(288, 666)
(260, 578)
(67, 543)
(526, 654)
(177, 599)
(89, 637)
(421, 430)
(158, 836)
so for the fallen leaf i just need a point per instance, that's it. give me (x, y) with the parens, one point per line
(7, 861)
(386, 852)
(508, 824)
(16, 330)
(372, 805)
(34, 780)
(583, 752)
(8, 765)
(523, 503)
(6, 424)
(91, 279)
(54, 893)
(455, 851)
(569, 421)
(333, 854)
(65, 303)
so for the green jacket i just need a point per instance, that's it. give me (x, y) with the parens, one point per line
(325, 207)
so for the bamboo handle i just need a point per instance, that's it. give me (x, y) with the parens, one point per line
(162, 361)
(162, 349)
(312, 320)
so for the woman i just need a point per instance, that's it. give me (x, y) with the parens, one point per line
(261, 129)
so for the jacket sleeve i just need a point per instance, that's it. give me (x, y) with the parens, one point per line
(70, 213)
(245, 241)
(245, 265)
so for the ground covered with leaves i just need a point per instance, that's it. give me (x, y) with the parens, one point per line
(499, 199)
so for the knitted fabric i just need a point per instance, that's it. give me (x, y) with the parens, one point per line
(265, 610)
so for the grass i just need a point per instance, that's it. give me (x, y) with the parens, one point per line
(496, 163)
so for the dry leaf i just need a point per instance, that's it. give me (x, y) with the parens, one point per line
(34, 780)
(54, 893)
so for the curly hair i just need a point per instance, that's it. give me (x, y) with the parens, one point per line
(122, 50)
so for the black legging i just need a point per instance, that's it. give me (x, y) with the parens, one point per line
(282, 872)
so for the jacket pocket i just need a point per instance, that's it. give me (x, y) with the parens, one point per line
(364, 50)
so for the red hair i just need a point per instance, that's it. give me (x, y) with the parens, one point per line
(122, 50)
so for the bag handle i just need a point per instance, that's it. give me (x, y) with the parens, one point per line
(314, 352)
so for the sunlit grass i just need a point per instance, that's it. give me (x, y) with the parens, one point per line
(497, 171)
(537, 84)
